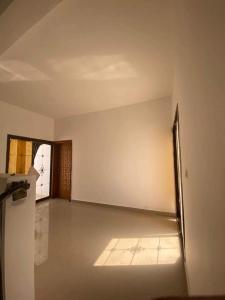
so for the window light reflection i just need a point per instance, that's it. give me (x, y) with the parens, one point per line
(15, 70)
(155, 250)
(95, 67)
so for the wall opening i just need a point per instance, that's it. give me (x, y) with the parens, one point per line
(24, 153)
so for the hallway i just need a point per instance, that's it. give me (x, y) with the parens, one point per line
(95, 252)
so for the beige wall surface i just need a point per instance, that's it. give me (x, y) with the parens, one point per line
(18, 121)
(199, 89)
(123, 156)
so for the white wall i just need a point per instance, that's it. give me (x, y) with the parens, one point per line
(200, 91)
(123, 156)
(18, 121)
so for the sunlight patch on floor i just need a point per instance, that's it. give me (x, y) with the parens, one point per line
(154, 250)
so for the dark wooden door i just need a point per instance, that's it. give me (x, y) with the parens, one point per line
(62, 170)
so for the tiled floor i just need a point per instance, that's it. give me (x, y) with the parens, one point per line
(87, 252)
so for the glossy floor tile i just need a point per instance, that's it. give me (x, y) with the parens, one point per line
(88, 252)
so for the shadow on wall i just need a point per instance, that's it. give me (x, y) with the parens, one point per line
(4, 5)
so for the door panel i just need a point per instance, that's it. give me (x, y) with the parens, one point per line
(42, 163)
(62, 170)
(65, 165)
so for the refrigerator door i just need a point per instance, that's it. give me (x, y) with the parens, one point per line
(17, 253)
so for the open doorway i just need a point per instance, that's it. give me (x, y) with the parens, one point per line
(178, 175)
(52, 160)
(62, 169)
(24, 153)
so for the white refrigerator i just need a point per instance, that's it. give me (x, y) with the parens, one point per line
(17, 241)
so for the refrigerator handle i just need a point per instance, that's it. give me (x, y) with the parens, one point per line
(18, 190)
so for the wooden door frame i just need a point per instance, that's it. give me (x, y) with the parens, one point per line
(29, 139)
(176, 124)
(52, 171)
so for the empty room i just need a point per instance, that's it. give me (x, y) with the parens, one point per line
(112, 149)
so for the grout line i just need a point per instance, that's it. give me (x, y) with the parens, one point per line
(135, 252)
(113, 249)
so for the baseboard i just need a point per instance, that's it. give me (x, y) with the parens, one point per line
(186, 274)
(148, 211)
